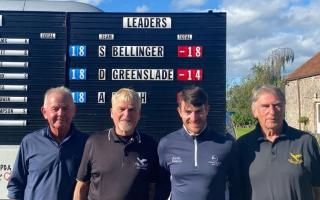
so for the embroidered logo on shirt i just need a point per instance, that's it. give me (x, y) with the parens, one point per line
(295, 159)
(215, 161)
(141, 163)
(176, 159)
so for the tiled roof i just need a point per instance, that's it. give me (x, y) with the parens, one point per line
(308, 69)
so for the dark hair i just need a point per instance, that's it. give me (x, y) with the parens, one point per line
(193, 95)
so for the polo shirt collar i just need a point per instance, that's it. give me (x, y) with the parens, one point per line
(202, 136)
(261, 137)
(114, 137)
(47, 133)
(195, 135)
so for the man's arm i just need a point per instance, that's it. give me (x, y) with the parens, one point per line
(84, 173)
(81, 190)
(152, 190)
(234, 184)
(316, 192)
(18, 177)
(163, 185)
(315, 165)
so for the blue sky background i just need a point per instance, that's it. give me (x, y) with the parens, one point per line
(254, 27)
(152, 5)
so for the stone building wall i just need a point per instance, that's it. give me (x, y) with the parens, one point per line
(292, 112)
(309, 89)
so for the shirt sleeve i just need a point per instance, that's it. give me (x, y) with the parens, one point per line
(84, 172)
(162, 153)
(155, 162)
(163, 187)
(234, 175)
(18, 179)
(314, 162)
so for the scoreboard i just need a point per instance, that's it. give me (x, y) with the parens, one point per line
(95, 54)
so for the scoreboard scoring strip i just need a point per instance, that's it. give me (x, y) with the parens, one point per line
(14, 64)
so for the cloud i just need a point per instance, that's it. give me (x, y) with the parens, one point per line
(142, 9)
(256, 27)
(183, 4)
(302, 18)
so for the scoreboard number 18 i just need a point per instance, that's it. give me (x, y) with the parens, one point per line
(77, 51)
(78, 74)
(79, 97)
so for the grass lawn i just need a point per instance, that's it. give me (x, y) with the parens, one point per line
(242, 131)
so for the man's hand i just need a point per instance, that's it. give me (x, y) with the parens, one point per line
(81, 190)
(316, 192)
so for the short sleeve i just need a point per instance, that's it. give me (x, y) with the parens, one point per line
(162, 153)
(154, 159)
(163, 187)
(234, 173)
(314, 162)
(84, 172)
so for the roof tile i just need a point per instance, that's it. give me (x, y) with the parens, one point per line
(308, 69)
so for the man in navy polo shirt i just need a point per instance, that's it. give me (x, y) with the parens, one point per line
(48, 159)
(119, 163)
(277, 161)
(199, 160)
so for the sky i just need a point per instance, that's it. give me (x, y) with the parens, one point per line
(254, 27)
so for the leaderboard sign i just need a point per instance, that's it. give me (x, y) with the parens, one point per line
(155, 54)
(32, 59)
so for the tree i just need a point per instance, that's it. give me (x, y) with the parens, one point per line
(239, 96)
(270, 72)
(276, 62)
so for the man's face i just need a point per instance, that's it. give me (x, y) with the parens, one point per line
(193, 118)
(59, 112)
(269, 111)
(125, 117)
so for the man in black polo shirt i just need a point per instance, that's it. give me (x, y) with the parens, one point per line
(119, 163)
(277, 161)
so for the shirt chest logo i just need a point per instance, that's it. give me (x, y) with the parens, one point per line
(141, 163)
(214, 161)
(295, 158)
(176, 159)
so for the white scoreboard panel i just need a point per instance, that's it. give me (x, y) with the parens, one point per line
(95, 54)
(30, 62)
(156, 54)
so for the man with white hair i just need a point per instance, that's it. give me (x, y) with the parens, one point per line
(277, 161)
(48, 159)
(119, 163)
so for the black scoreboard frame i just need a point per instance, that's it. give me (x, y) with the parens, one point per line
(95, 54)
